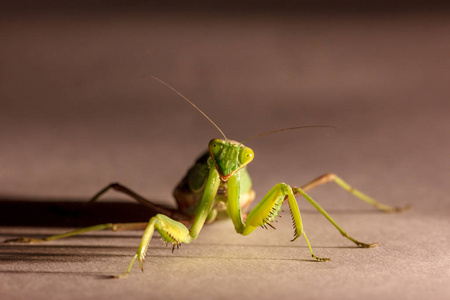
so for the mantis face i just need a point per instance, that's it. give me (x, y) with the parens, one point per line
(229, 156)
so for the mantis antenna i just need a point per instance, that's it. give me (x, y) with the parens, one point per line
(190, 102)
(286, 129)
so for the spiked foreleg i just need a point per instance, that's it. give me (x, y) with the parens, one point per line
(171, 232)
(174, 232)
(266, 211)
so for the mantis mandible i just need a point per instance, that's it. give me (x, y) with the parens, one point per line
(219, 183)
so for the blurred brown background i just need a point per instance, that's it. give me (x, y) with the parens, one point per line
(76, 114)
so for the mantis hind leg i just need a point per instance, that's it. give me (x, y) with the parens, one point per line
(125, 190)
(329, 177)
(110, 226)
(334, 178)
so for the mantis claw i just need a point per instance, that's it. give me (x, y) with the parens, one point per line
(399, 209)
(372, 245)
(322, 259)
(121, 276)
(24, 240)
(141, 263)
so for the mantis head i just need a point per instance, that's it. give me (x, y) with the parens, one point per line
(229, 156)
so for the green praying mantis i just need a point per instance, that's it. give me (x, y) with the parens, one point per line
(219, 183)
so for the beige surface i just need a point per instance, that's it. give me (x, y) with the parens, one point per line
(76, 115)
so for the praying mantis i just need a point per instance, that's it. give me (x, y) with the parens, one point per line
(219, 183)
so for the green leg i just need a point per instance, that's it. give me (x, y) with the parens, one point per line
(211, 216)
(174, 232)
(124, 275)
(334, 178)
(266, 211)
(110, 226)
(170, 230)
(326, 215)
(310, 249)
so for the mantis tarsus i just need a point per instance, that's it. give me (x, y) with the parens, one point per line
(219, 183)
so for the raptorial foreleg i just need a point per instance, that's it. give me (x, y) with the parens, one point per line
(266, 211)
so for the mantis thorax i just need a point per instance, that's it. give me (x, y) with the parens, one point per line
(229, 156)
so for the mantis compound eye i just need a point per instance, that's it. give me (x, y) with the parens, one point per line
(246, 156)
(215, 146)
